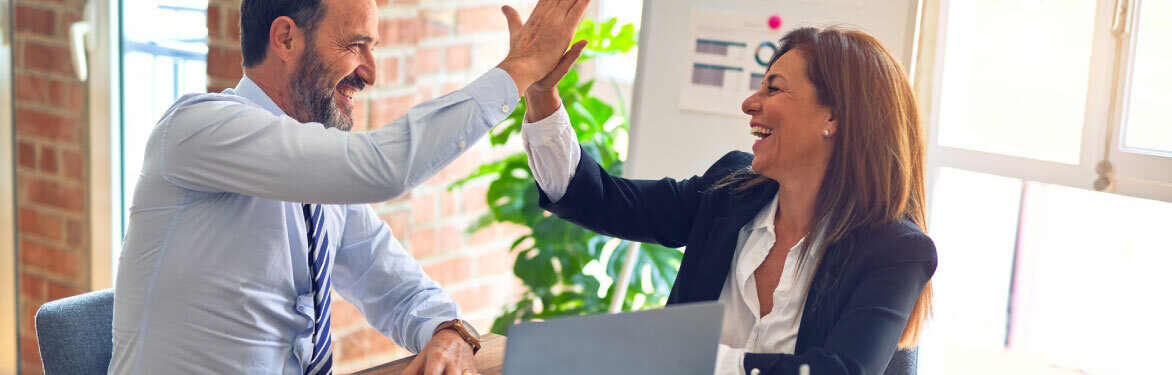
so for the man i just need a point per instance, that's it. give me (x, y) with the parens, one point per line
(251, 204)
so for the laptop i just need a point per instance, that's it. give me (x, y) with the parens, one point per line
(680, 339)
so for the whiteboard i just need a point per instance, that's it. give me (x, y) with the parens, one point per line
(671, 134)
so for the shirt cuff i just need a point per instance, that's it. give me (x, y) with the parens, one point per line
(553, 151)
(495, 93)
(427, 330)
(729, 360)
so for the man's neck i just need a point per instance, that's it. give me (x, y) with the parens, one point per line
(273, 84)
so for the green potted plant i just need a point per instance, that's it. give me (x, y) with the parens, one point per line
(568, 270)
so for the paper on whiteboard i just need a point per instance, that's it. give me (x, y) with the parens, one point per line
(730, 53)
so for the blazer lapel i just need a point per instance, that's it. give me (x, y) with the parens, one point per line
(736, 209)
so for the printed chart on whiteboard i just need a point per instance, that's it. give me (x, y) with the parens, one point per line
(730, 54)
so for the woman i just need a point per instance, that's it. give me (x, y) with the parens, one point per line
(814, 242)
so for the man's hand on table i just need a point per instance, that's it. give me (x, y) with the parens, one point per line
(446, 354)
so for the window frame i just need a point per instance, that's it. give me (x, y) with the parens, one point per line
(1134, 174)
(1137, 173)
(104, 113)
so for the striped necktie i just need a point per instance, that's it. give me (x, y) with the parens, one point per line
(322, 360)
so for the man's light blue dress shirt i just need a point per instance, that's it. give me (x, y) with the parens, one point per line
(214, 276)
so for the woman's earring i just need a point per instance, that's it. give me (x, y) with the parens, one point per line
(826, 133)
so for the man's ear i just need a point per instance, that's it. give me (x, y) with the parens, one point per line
(286, 40)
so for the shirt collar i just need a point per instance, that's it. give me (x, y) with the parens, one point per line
(249, 90)
(764, 218)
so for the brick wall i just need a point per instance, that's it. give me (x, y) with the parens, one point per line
(429, 48)
(49, 105)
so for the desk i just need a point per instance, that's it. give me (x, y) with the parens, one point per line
(489, 360)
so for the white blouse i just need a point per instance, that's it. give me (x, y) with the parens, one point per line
(553, 151)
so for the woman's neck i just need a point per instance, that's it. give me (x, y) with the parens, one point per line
(797, 193)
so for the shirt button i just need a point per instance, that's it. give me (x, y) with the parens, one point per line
(505, 108)
(461, 144)
(755, 372)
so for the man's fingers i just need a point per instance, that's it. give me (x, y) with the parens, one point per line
(574, 14)
(414, 366)
(513, 19)
(434, 367)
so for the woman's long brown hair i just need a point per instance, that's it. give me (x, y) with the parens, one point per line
(876, 173)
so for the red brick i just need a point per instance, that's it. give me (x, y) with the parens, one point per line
(224, 63)
(48, 160)
(74, 235)
(26, 154)
(47, 57)
(422, 243)
(33, 287)
(35, 20)
(45, 125)
(233, 24)
(27, 318)
(58, 291)
(480, 19)
(31, 368)
(451, 238)
(473, 198)
(477, 297)
(64, 264)
(71, 160)
(450, 271)
(363, 343)
(361, 115)
(386, 110)
(425, 61)
(344, 315)
(65, 20)
(52, 193)
(437, 23)
(388, 70)
(47, 225)
(484, 236)
(30, 353)
(397, 221)
(448, 203)
(495, 262)
(450, 87)
(423, 208)
(458, 57)
(400, 31)
(213, 21)
(69, 95)
(32, 88)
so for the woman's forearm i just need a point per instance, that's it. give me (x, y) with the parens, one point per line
(541, 103)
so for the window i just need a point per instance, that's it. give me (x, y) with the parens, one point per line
(1032, 107)
(164, 52)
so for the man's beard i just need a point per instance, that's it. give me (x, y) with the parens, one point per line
(313, 94)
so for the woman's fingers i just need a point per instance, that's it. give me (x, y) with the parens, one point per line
(566, 62)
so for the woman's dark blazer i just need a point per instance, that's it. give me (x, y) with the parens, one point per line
(862, 293)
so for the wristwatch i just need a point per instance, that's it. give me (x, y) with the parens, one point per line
(465, 331)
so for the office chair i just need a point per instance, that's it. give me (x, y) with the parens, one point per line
(75, 333)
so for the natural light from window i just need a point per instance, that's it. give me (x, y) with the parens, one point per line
(1015, 77)
(164, 51)
(1149, 117)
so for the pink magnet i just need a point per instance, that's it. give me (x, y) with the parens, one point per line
(775, 22)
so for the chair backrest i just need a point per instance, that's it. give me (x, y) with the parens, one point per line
(904, 362)
(75, 333)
